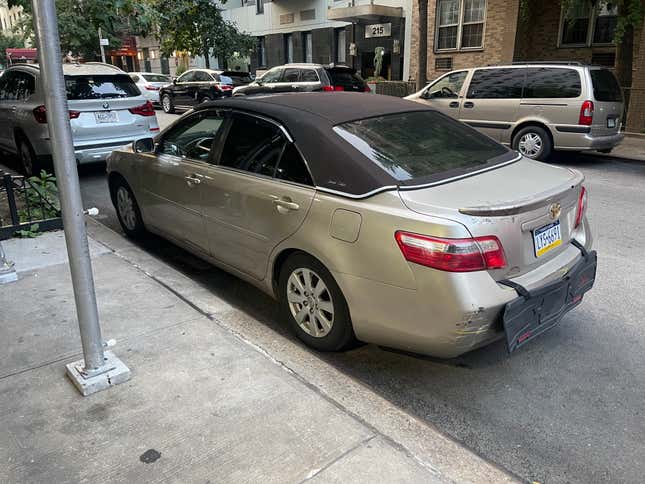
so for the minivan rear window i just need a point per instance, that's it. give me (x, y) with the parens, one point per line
(421, 146)
(100, 86)
(605, 86)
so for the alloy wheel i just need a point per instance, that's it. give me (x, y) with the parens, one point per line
(125, 205)
(530, 144)
(310, 302)
(26, 159)
(165, 103)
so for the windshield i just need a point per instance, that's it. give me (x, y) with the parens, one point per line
(605, 86)
(156, 78)
(420, 145)
(100, 87)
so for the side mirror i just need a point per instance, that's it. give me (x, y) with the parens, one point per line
(143, 145)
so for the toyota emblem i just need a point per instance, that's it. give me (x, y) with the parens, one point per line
(106, 105)
(554, 210)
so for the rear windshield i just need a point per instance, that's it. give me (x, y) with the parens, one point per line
(156, 78)
(238, 76)
(422, 146)
(100, 86)
(605, 86)
(346, 78)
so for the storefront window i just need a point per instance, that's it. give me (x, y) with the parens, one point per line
(460, 24)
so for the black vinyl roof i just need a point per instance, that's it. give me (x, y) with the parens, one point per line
(310, 117)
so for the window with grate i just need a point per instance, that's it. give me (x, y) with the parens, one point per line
(308, 14)
(443, 63)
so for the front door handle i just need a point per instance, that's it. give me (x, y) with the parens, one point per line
(285, 203)
(454, 104)
(469, 104)
(192, 180)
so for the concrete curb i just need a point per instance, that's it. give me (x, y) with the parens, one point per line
(439, 453)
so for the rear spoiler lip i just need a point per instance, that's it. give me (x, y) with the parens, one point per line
(527, 204)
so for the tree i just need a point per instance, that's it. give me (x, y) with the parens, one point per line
(79, 21)
(197, 26)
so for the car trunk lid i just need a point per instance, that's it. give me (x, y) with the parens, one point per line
(511, 203)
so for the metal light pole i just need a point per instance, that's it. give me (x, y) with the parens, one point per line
(98, 369)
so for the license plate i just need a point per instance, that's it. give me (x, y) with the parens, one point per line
(546, 238)
(611, 122)
(106, 117)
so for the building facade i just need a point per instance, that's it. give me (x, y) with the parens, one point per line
(471, 33)
(327, 31)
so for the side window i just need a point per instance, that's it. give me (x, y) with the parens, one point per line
(309, 75)
(272, 76)
(25, 86)
(201, 76)
(134, 77)
(252, 145)
(291, 75)
(497, 83)
(448, 86)
(292, 167)
(193, 137)
(543, 82)
(187, 77)
(8, 86)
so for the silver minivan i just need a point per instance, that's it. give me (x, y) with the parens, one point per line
(106, 110)
(535, 108)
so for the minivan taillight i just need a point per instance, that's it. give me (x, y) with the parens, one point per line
(146, 109)
(40, 113)
(582, 206)
(452, 255)
(586, 113)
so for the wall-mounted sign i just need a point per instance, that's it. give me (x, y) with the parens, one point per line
(378, 30)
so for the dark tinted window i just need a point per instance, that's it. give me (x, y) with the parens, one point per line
(100, 86)
(419, 144)
(156, 78)
(309, 75)
(8, 86)
(291, 75)
(605, 86)
(552, 82)
(238, 77)
(187, 77)
(134, 77)
(292, 167)
(252, 145)
(496, 84)
(347, 78)
(201, 76)
(192, 137)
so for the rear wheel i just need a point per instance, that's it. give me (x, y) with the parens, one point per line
(27, 157)
(206, 99)
(167, 104)
(533, 142)
(127, 209)
(314, 305)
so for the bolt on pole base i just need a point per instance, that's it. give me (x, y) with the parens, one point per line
(111, 373)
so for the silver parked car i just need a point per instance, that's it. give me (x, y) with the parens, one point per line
(535, 108)
(106, 110)
(149, 83)
(383, 221)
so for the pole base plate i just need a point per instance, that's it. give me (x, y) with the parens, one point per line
(116, 372)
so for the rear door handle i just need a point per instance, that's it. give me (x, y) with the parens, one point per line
(193, 180)
(454, 104)
(469, 104)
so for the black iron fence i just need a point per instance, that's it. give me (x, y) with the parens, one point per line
(28, 204)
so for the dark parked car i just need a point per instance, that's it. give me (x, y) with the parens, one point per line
(305, 78)
(193, 87)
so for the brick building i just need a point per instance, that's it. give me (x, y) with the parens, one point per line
(469, 33)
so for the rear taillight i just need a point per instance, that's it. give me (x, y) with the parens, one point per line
(40, 113)
(586, 113)
(151, 88)
(226, 87)
(146, 109)
(333, 88)
(367, 89)
(582, 206)
(452, 255)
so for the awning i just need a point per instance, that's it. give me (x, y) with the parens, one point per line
(22, 54)
(367, 13)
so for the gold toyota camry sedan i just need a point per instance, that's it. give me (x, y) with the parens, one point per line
(369, 218)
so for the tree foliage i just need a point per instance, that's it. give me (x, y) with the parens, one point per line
(197, 26)
(79, 21)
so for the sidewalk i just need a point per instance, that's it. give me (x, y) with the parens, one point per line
(215, 396)
(631, 148)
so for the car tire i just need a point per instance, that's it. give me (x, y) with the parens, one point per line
(205, 99)
(533, 142)
(167, 104)
(27, 157)
(127, 208)
(314, 305)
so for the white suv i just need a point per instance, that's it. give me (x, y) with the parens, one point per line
(106, 110)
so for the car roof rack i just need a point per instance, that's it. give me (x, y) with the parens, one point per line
(563, 63)
(103, 64)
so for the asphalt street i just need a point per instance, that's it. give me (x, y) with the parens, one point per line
(569, 407)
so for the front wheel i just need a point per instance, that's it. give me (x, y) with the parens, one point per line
(27, 156)
(533, 142)
(314, 305)
(167, 104)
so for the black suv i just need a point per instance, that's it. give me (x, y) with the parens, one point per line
(305, 78)
(197, 86)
